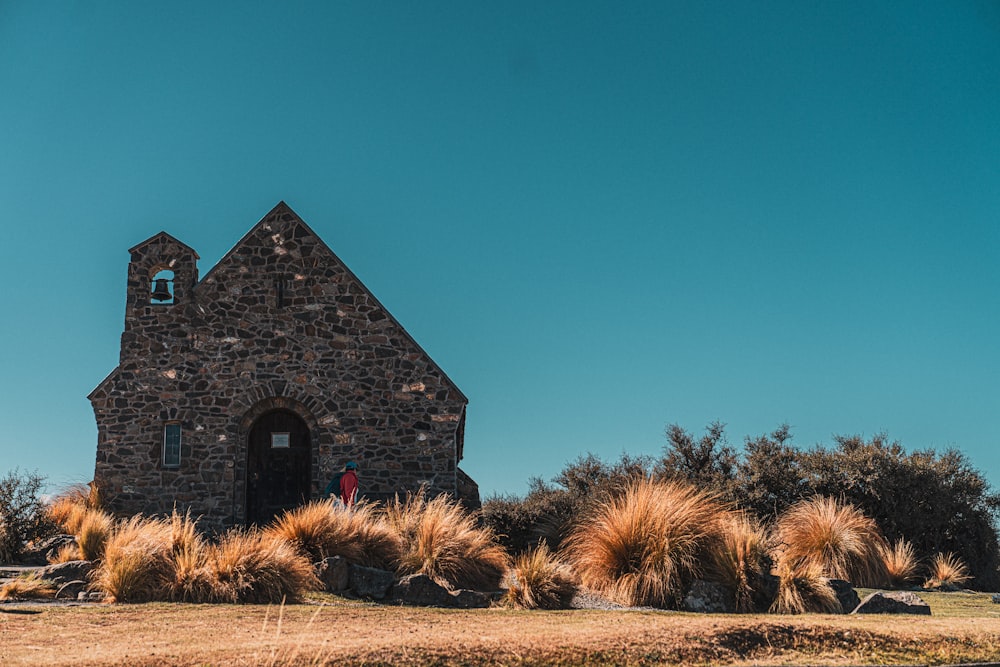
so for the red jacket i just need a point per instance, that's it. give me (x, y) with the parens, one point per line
(349, 487)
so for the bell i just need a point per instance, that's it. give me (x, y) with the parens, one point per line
(160, 290)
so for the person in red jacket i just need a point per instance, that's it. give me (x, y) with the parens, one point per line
(349, 484)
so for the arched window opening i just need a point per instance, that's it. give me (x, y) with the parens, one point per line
(162, 288)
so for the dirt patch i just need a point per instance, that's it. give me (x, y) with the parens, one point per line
(157, 635)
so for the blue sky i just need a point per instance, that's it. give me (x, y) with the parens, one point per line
(598, 218)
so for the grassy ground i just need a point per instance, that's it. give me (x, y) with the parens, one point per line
(964, 628)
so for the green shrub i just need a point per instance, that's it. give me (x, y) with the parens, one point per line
(23, 516)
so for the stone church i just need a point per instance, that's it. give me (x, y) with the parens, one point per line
(238, 395)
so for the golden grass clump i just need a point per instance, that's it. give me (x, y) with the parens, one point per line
(93, 534)
(643, 546)
(29, 586)
(740, 557)
(948, 572)
(901, 563)
(69, 507)
(539, 580)
(256, 568)
(136, 564)
(325, 528)
(837, 538)
(66, 553)
(804, 589)
(441, 539)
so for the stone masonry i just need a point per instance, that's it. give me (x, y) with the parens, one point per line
(279, 324)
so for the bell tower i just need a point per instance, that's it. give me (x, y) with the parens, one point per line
(162, 274)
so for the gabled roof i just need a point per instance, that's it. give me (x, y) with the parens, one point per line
(283, 208)
(163, 236)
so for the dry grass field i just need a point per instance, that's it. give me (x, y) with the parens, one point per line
(330, 630)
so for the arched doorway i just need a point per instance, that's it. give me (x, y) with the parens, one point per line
(278, 459)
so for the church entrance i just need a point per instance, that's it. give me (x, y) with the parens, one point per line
(278, 458)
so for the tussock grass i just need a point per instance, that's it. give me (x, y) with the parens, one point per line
(539, 580)
(253, 567)
(135, 565)
(93, 533)
(901, 564)
(804, 589)
(643, 546)
(324, 528)
(68, 508)
(948, 572)
(441, 539)
(836, 538)
(66, 554)
(740, 558)
(148, 559)
(29, 586)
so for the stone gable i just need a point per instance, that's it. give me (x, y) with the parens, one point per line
(280, 331)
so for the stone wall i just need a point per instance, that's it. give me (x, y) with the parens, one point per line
(279, 322)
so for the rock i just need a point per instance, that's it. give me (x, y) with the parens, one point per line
(848, 597)
(996, 598)
(468, 599)
(764, 589)
(421, 590)
(71, 590)
(39, 554)
(335, 573)
(91, 596)
(895, 602)
(61, 573)
(708, 597)
(370, 582)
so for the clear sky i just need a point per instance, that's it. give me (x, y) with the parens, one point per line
(598, 218)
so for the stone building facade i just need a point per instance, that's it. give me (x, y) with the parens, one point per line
(239, 395)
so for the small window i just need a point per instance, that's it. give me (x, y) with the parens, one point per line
(279, 440)
(172, 445)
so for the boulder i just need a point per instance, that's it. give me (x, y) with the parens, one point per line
(764, 590)
(39, 554)
(61, 573)
(420, 590)
(846, 594)
(71, 590)
(370, 582)
(708, 597)
(468, 599)
(895, 602)
(334, 572)
(995, 598)
(92, 596)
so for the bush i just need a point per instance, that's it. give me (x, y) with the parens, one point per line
(135, 565)
(901, 563)
(937, 501)
(538, 580)
(835, 539)
(252, 567)
(548, 511)
(29, 586)
(802, 589)
(440, 539)
(92, 534)
(644, 546)
(948, 572)
(740, 560)
(324, 528)
(166, 559)
(23, 517)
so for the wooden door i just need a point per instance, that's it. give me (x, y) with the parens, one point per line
(278, 461)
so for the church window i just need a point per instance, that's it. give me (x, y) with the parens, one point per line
(171, 445)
